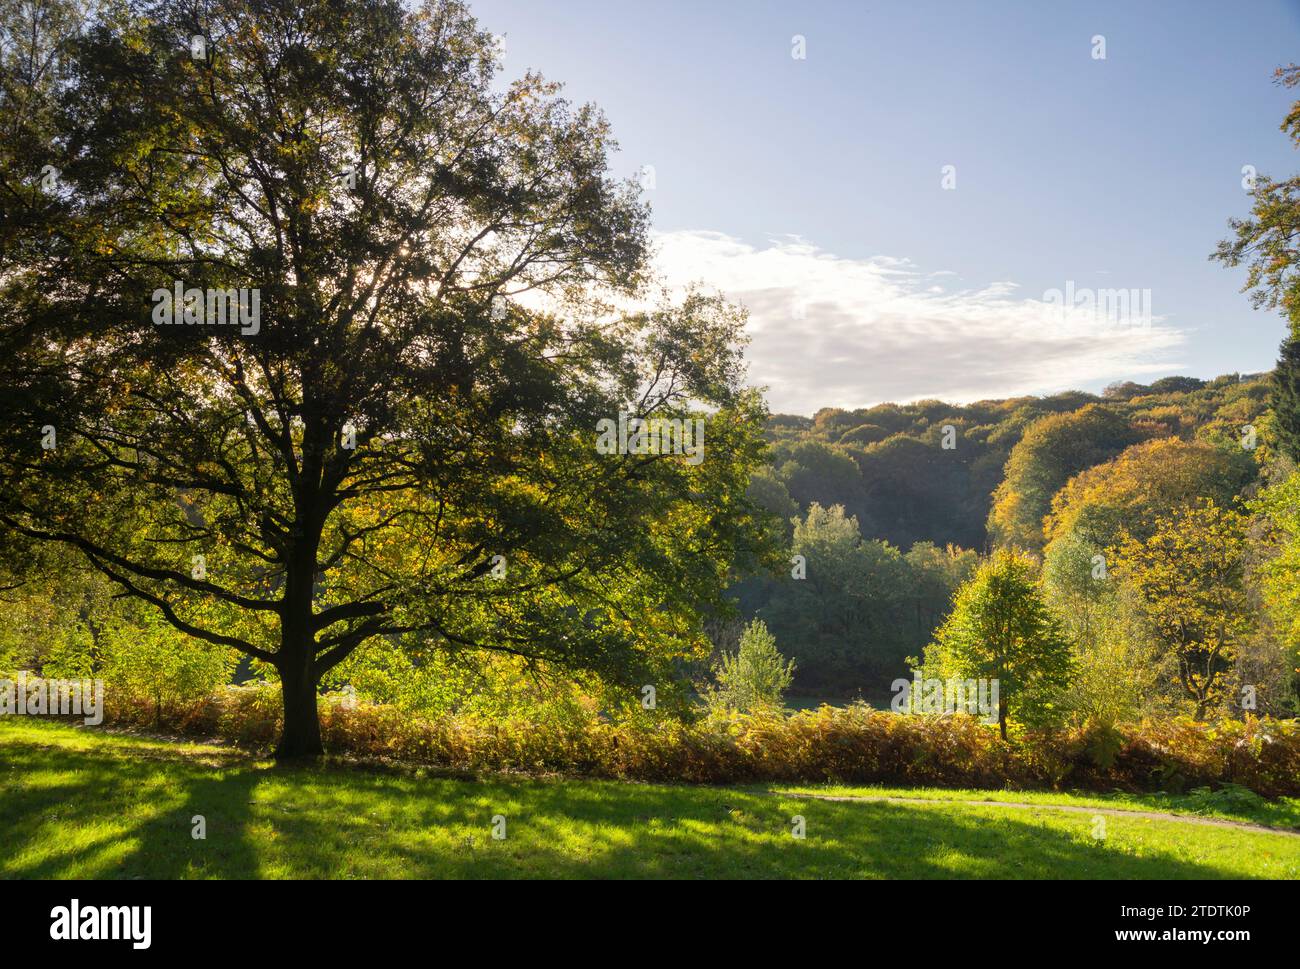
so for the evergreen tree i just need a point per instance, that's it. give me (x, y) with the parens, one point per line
(756, 677)
(1286, 395)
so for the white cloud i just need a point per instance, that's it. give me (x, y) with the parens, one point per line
(829, 331)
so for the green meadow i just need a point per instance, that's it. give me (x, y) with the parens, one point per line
(77, 803)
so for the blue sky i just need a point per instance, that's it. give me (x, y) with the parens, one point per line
(810, 189)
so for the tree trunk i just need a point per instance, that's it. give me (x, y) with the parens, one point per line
(1002, 717)
(296, 660)
(300, 739)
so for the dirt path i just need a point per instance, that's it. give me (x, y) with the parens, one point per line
(1077, 809)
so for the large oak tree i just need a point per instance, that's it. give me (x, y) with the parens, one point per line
(453, 292)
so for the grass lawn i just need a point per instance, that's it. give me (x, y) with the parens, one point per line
(79, 803)
(1240, 804)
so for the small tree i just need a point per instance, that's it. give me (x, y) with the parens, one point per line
(1001, 628)
(1278, 511)
(844, 620)
(1119, 671)
(1190, 576)
(756, 676)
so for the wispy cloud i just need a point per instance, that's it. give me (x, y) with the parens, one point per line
(830, 331)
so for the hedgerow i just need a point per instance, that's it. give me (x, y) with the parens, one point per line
(849, 745)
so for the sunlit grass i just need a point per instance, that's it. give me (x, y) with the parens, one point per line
(1283, 813)
(85, 804)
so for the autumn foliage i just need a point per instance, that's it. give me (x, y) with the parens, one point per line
(854, 744)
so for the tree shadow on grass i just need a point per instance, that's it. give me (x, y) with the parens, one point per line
(114, 816)
(443, 829)
(92, 814)
(222, 803)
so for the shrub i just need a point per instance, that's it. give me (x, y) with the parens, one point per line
(151, 671)
(755, 677)
(850, 745)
